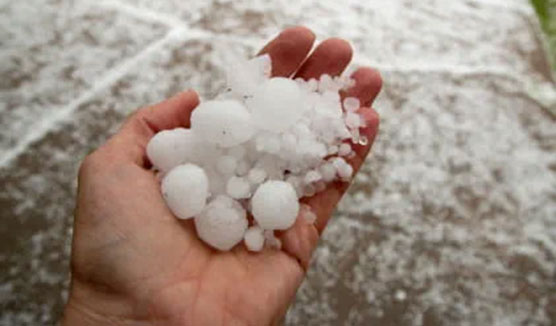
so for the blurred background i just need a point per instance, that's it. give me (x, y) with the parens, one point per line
(452, 220)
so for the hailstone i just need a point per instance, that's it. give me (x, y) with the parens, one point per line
(225, 122)
(222, 224)
(170, 148)
(243, 78)
(254, 238)
(259, 146)
(238, 187)
(277, 105)
(185, 189)
(351, 104)
(274, 205)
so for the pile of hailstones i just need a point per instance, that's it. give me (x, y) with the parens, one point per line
(257, 148)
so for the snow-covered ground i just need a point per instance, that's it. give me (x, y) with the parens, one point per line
(452, 220)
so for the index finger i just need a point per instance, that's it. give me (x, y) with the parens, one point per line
(288, 50)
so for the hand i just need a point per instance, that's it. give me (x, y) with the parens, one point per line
(134, 263)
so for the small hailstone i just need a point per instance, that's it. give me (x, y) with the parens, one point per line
(242, 167)
(338, 162)
(217, 184)
(328, 172)
(256, 176)
(222, 223)
(185, 189)
(225, 122)
(351, 104)
(268, 143)
(296, 183)
(400, 295)
(312, 85)
(312, 176)
(260, 143)
(332, 150)
(238, 188)
(319, 150)
(243, 78)
(254, 238)
(333, 98)
(326, 83)
(309, 190)
(272, 240)
(288, 142)
(320, 186)
(346, 81)
(353, 120)
(272, 145)
(275, 205)
(237, 152)
(226, 164)
(307, 214)
(344, 149)
(302, 131)
(355, 136)
(170, 148)
(277, 105)
(344, 169)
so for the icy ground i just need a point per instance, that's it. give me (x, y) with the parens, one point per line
(451, 222)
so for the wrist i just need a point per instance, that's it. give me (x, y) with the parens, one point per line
(88, 307)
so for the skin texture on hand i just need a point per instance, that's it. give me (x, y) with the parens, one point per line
(134, 263)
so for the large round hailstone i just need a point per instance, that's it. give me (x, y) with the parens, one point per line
(277, 105)
(224, 122)
(222, 223)
(185, 189)
(243, 78)
(170, 148)
(274, 205)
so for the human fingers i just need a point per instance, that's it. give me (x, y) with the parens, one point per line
(288, 50)
(300, 240)
(368, 83)
(330, 57)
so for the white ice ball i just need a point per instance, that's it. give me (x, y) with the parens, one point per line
(353, 120)
(351, 104)
(308, 214)
(254, 238)
(312, 176)
(274, 205)
(256, 176)
(344, 149)
(343, 168)
(225, 122)
(222, 223)
(170, 148)
(238, 187)
(185, 190)
(277, 104)
(243, 78)
(226, 164)
(217, 182)
(328, 171)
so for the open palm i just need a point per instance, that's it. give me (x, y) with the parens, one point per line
(134, 263)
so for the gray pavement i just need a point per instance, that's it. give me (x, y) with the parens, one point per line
(452, 220)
